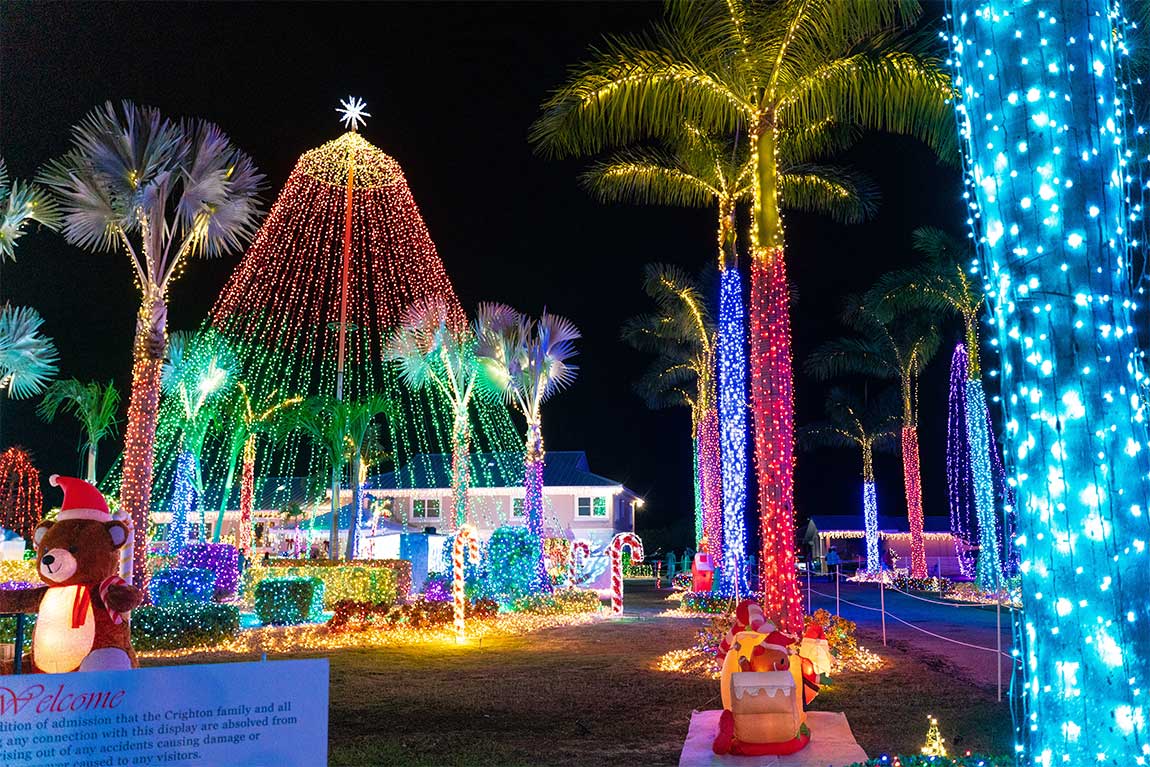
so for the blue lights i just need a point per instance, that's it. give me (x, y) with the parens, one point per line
(732, 358)
(1043, 116)
(870, 520)
(989, 566)
(185, 498)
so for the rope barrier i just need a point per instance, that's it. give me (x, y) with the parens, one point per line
(918, 628)
(1005, 605)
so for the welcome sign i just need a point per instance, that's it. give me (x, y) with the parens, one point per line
(271, 713)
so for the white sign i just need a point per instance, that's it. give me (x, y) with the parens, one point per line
(270, 714)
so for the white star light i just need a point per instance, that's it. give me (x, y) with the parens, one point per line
(352, 112)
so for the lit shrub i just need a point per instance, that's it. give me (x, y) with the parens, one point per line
(509, 564)
(221, 558)
(289, 601)
(566, 601)
(182, 584)
(347, 582)
(188, 624)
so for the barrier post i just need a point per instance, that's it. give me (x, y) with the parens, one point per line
(810, 604)
(882, 603)
(998, 642)
(837, 574)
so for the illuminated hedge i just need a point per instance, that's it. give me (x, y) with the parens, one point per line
(937, 761)
(190, 624)
(509, 564)
(221, 558)
(178, 585)
(564, 602)
(401, 568)
(289, 601)
(346, 582)
(19, 570)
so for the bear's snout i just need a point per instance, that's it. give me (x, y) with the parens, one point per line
(58, 565)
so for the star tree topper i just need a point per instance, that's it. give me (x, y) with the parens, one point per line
(352, 111)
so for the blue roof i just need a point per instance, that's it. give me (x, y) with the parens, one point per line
(428, 471)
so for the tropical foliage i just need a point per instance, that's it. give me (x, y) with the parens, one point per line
(21, 204)
(27, 356)
(94, 405)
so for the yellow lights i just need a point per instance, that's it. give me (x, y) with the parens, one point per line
(329, 164)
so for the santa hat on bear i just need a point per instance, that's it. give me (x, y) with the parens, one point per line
(81, 500)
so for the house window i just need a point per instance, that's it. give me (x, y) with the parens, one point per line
(425, 508)
(517, 507)
(592, 507)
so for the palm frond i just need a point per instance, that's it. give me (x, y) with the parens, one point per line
(851, 356)
(647, 177)
(21, 204)
(27, 357)
(94, 404)
(841, 194)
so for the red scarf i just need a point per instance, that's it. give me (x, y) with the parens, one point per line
(84, 600)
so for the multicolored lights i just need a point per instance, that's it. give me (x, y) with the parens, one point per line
(732, 389)
(21, 502)
(958, 462)
(1044, 108)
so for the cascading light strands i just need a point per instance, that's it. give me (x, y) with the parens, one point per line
(958, 462)
(774, 412)
(281, 307)
(1043, 115)
(732, 360)
(989, 569)
(21, 502)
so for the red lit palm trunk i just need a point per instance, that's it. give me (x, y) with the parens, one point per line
(772, 389)
(711, 483)
(140, 433)
(247, 493)
(912, 480)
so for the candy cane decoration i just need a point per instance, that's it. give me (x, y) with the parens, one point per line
(616, 553)
(580, 553)
(465, 537)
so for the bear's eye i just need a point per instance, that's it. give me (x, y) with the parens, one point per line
(72, 549)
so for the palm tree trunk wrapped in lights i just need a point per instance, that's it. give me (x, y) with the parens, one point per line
(162, 192)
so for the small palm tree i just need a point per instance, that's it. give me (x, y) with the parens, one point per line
(898, 349)
(527, 361)
(161, 192)
(21, 204)
(800, 80)
(681, 334)
(362, 439)
(240, 421)
(868, 424)
(941, 284)
(27, 356)
(430, 354)
(94, 405)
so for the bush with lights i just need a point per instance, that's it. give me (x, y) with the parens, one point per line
(400, 568)
(178, 585)
(221, 558)
(289, 601)
(183, 624)
(888, 760)
(418, 614)
(509, 565)
(351, 581)
(560, 602)
(846, 655)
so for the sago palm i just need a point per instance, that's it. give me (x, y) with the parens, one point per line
(942, 283)
(161, 192)
(867, 424)
(93, 404)
(898, 349)
(527, 362)
(799, 79)
(432, 354)
(681, 334)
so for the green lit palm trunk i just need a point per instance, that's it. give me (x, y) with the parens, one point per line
(698, 490)
(140, 433)
(225, 497)
(533, 461)
(988, 570)
(1072, 375)
(461, 470)
(772, 391)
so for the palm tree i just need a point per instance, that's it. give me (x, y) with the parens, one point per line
(868, 424)
(898, 349)
(362, 439)
(162, 192)
(198, 373)
(431, 354)
(701, 171)
(332, 425)
(27, 356)
(241, 421)
(94, 405)
(527, 361)
(21, 204)
(800, 79)
(681, 335)
(942, 285)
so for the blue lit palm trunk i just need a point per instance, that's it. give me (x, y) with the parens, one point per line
(185, 499)
(870, 512)
(732, 360)
(989, 567)
(1046, 156)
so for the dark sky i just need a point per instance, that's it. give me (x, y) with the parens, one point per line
(452, 88)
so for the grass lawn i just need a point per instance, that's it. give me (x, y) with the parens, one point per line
(588, 694)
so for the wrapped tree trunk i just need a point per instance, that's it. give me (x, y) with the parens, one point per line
(711, 482)
(533, 461)
(247, 495)
(870, 512)
(461, 469)
(912, 484)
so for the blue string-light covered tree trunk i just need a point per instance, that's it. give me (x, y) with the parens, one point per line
(732, 363)
(1043, 115)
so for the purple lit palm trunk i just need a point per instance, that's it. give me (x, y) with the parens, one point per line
(1042, 115)
(711, 483)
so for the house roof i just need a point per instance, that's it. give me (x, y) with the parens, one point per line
(323, 521)
(890, 524)
(429, 471)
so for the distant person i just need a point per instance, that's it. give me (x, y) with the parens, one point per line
(833, 558)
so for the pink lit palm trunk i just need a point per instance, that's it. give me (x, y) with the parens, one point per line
(247, 495)
(772, 394)
(533, 461)
(912, 480)
(711, 483)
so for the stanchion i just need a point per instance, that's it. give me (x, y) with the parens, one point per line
(998, 643)
(810, 604)
(837, 573)
(882, 603)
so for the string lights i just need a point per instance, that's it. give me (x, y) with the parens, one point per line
(21, 502)
(732, 389)
(710, 482)
(466, 545)
(1044, 106)
(615, 552)
(958, 462)
(912, 482)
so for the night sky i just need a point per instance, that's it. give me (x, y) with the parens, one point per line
(452, 89)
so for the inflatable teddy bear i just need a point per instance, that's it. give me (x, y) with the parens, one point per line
(80, 622)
